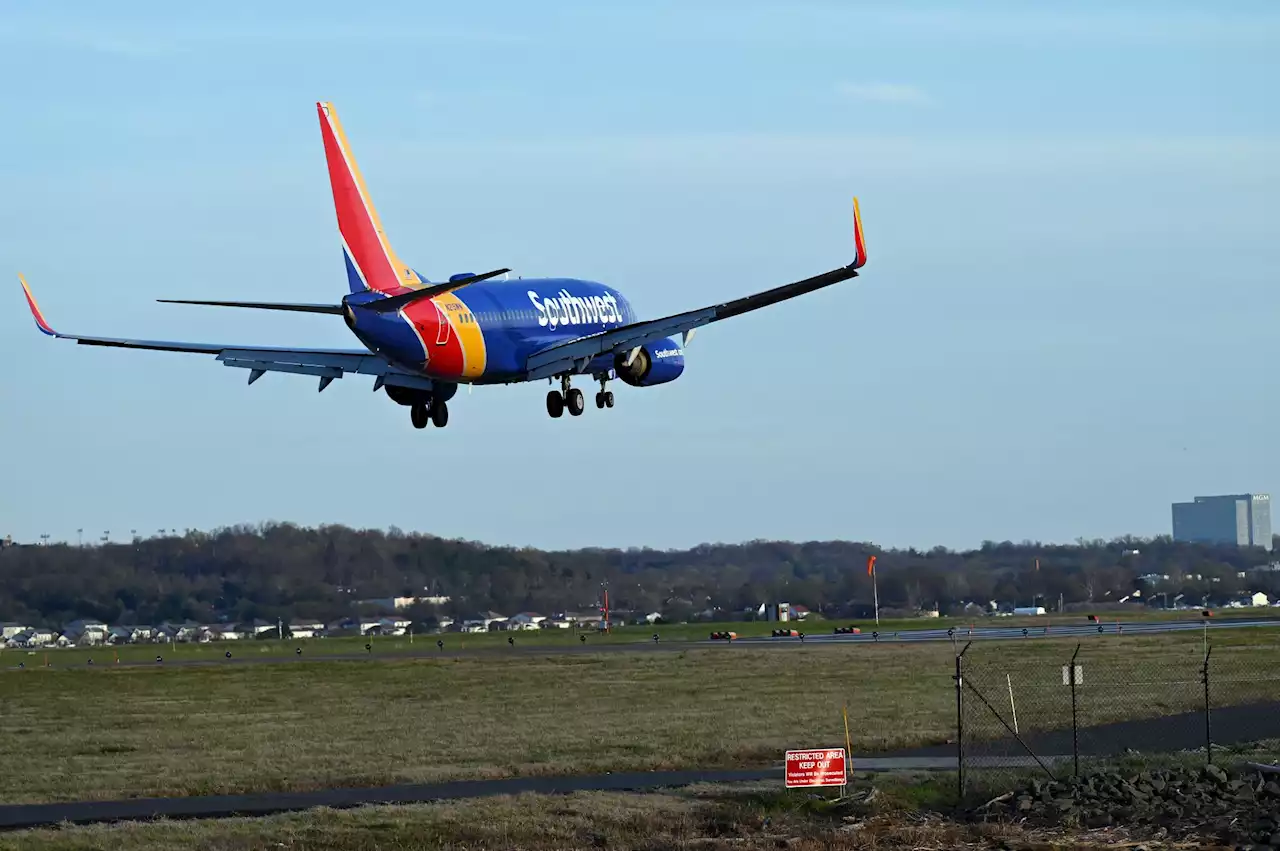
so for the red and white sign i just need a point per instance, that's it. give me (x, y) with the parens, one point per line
(821, 767)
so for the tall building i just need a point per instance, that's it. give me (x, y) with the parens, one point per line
(1242, 519)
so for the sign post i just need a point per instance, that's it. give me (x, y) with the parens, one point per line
(820, 767)
(871, 571)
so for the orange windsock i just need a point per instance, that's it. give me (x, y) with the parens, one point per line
(871, 565)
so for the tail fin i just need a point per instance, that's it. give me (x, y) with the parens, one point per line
(372, 263)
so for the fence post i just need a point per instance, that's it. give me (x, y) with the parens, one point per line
(959, 678)
(1208, 730)
(1075, 727)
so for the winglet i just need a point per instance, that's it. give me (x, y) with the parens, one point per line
(860, 246)
(35, 309)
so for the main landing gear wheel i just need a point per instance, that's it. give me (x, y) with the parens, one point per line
(419, 415)
(574, 402)
(440, 414)
(555, 403)
(599, 399)
(608, 398)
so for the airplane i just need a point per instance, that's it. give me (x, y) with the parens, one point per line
(422, 339)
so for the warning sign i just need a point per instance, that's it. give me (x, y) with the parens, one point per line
(822, 767)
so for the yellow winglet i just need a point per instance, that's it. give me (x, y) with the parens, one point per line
(35, 309)
(860, 245)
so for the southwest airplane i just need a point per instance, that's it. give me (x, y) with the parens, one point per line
(422, 339)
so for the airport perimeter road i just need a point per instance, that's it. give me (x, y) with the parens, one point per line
(244, 652)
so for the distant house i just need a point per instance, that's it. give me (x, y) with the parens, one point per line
(19, 639)
(9, 630)
(554, 623)
(799, 612)
(185, 631)
(1256, 599)
(225, 632)
(483, 622)
(390, 604)
(525, 620)
(393, 626)
(86, 631)
(126, 634)
(305, 629)
(40, 637)
(258, 627)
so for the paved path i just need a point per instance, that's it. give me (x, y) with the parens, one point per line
(223, 806)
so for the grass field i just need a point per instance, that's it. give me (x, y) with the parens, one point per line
(106, 733)
(550, 638)
(751, 818)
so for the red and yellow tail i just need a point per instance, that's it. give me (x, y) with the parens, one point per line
(372, 263)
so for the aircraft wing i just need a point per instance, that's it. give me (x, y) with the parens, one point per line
(327, 364)
(574, 355)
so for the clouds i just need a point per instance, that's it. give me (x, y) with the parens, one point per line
(896, 93)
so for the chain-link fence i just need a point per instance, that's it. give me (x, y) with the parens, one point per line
(1056, 709)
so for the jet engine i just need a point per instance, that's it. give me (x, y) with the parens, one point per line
(654, 363)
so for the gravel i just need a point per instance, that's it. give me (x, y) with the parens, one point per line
(1238, 806)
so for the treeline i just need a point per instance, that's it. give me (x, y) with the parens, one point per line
(286, 571)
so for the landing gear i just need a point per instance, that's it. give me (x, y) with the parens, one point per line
(571, 399)
(435, 413)
(604, 399)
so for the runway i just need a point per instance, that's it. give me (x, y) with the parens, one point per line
(1049, 630)
(244, 652)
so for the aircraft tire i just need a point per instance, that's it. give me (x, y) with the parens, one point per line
(555, 403)
(440, 413)
(574, 402)
(608, 398)
(600, 400)
(419, 416)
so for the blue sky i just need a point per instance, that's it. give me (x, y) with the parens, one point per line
(1065, 325)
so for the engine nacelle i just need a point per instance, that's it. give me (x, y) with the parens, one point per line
(655, 363)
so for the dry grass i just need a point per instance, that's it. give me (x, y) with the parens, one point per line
(703, 819)
(70, 735)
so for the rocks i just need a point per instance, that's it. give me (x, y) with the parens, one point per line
(1240, 807)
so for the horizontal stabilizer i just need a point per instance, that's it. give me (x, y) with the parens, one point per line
(399, 302)
(262, 305)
